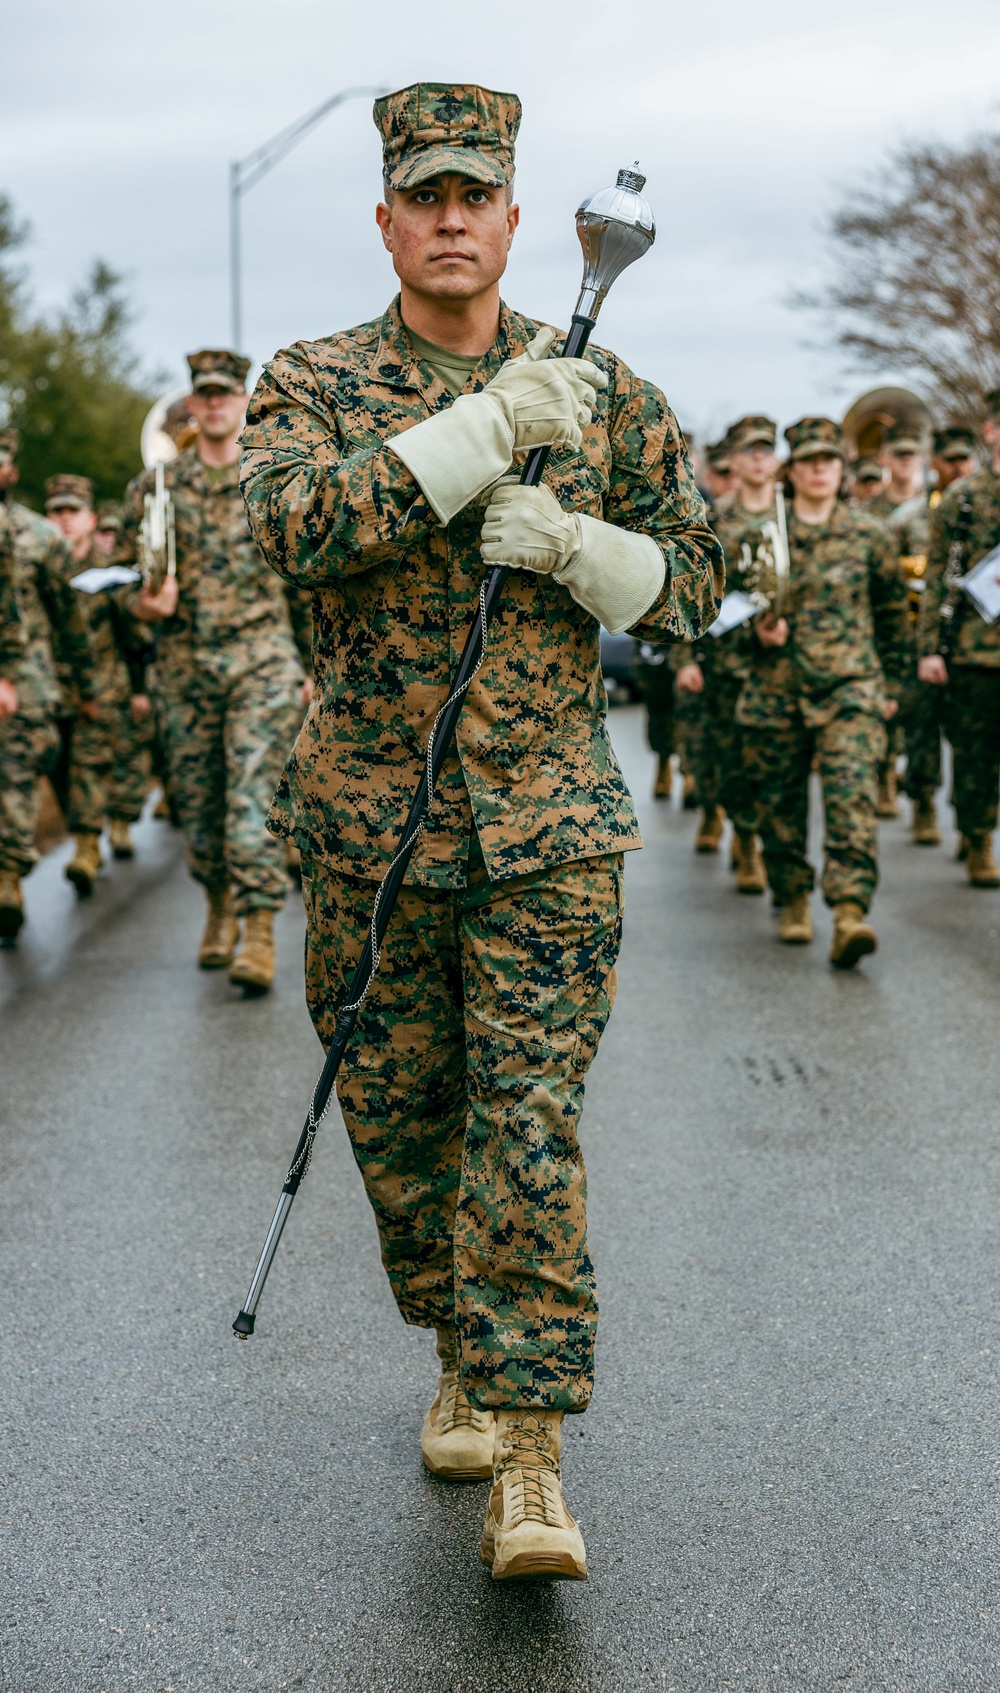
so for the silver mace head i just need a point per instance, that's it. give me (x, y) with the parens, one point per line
(615, 227)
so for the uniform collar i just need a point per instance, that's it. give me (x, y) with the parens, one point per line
(394, 361)
(189, 468)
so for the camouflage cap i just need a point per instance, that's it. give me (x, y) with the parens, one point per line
(903, 438)
(717, 455)
(66, 491)
(10, 440)
(813, 436)
(958, 441)
(751, 431)
(218, 367)
(109, 515)
(432, 128)
(992, 402)
(867, 470)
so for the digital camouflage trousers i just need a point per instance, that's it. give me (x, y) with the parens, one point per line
(28, 745)
(721, 770)
(99, 770)
(227, 744)
(462, 1090)
(847, 750)
(971, 709)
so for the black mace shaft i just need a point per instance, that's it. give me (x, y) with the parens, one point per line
(439, 747)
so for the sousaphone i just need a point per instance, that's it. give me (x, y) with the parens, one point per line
(869, 420)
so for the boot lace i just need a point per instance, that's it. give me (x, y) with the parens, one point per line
(455, 1409)
(530, 1474)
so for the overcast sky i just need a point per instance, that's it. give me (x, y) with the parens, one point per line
(119, 120)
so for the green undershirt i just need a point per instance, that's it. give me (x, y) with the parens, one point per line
(454, 369)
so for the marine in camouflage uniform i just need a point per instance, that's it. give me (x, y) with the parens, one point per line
(463, 1085)
(898, 504)
(133, 728)
(821, 696)
(695, 751)
(12, 645)
(55, 638)
(957, 647)
(120, 648)
(229, 681)
(723, 661)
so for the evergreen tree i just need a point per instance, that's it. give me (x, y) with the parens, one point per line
(72, 384)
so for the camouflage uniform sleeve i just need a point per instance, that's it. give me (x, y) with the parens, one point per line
(70, 641)
(300, 614)
(318, 514)
(890, 609)
(942, 534)
(131, 638)
(653, 491)
(12, 633)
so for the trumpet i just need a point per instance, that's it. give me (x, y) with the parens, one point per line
(156, 547)
(766, 570)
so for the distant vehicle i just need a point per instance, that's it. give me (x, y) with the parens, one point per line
(618, 664)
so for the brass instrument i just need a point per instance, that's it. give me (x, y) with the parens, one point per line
(167, 430)
(867, 422)
(156, 548)
(766, 569)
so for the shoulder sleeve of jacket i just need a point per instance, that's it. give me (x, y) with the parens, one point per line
(652, 490)
(319, 513)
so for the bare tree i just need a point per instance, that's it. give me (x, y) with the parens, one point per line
(917, 282)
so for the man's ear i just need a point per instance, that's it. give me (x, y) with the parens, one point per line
(383, 217)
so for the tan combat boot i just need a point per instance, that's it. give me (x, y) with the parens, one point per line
(120, 836)
(709, 829)
(925, 823)
(663, 785)
(886, 799)
(456, 1441)
(853, 938)
(795, 927)
(981, 864)
(689, 792)
(750, 877)
(528, 1533)
(253, 966)
(222, 931)
(962, 850)
(11, 904)
(86, 864)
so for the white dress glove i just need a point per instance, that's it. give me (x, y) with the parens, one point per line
(613, 573)
(533, 401)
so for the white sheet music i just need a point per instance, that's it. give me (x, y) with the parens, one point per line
(983, 586)
(736, 608)
(103, 576)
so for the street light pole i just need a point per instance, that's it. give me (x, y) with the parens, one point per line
(245, 173)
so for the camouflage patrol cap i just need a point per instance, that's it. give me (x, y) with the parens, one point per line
(717, 455)
(867, 470)
(10, 440)
(432, 128)
(958, 441)
(992, 402)
(751, 431)
(109, 515)
(218, 367)
(903, 438)
(813, 436)
(66, 492)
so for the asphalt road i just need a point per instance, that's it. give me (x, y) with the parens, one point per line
(787, 1479)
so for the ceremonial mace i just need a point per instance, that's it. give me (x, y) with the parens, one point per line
(615, 228)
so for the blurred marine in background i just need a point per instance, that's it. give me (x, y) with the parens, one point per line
(230, 675)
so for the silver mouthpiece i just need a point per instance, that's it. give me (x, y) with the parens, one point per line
(615, 227)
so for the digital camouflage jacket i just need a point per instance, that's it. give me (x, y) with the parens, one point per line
(12, 634)
(739, 533)
(121, 645)
(232, 613)
(850, 631)
(396, 593)
(56, 641)
(974, 641)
